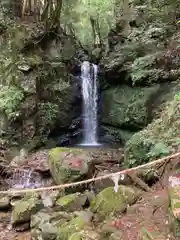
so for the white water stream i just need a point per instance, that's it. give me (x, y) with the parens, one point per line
(89, 79)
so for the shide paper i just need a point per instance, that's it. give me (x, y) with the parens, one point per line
(115, 178)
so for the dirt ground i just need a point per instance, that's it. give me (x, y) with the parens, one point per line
(151, 213)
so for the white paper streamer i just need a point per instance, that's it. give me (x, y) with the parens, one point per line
(115, 179)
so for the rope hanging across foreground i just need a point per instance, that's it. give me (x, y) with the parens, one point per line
(68, 185)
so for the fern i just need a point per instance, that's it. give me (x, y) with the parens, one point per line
(10, 99)
(48, 112)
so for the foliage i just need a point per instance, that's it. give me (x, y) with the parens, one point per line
(142, 70)
(10, 99)
(10, 57)
(48, 112)
(160, 138)
(132, 51)
(46, 116)
(76, 14)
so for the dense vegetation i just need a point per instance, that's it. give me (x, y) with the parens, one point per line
(137, 46)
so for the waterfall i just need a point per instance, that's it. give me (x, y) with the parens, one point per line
(89, 74)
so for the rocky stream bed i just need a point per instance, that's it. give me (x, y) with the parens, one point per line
(93, 211)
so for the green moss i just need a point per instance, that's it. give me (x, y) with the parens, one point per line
(72, 202)
(64, 201)
(24, 209)
(74, 226)
(108, 203)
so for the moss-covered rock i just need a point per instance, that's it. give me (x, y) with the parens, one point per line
(159, 139)
(109, 203)
(23, 210)
(127, 107)
(72, 202)
(174, 210)
(117, 135)
(77, 224)
(45, 224)
(68, 165)
(4, 202)
(49, 198)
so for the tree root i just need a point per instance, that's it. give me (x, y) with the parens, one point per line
(139, 182)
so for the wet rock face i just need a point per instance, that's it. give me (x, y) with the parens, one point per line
(127, 107)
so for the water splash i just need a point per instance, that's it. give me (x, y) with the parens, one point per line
(89, 74)
(23, 178)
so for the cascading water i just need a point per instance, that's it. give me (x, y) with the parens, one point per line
(90, 106)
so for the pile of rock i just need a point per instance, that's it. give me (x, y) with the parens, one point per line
(68, 214)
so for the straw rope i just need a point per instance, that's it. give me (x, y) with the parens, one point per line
(74, 184)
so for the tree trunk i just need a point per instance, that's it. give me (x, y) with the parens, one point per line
(93, 30)
(57, 11)
(17, 8)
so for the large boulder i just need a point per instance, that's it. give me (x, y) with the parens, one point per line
(128, 108)
(69, 164)
(109, 203)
